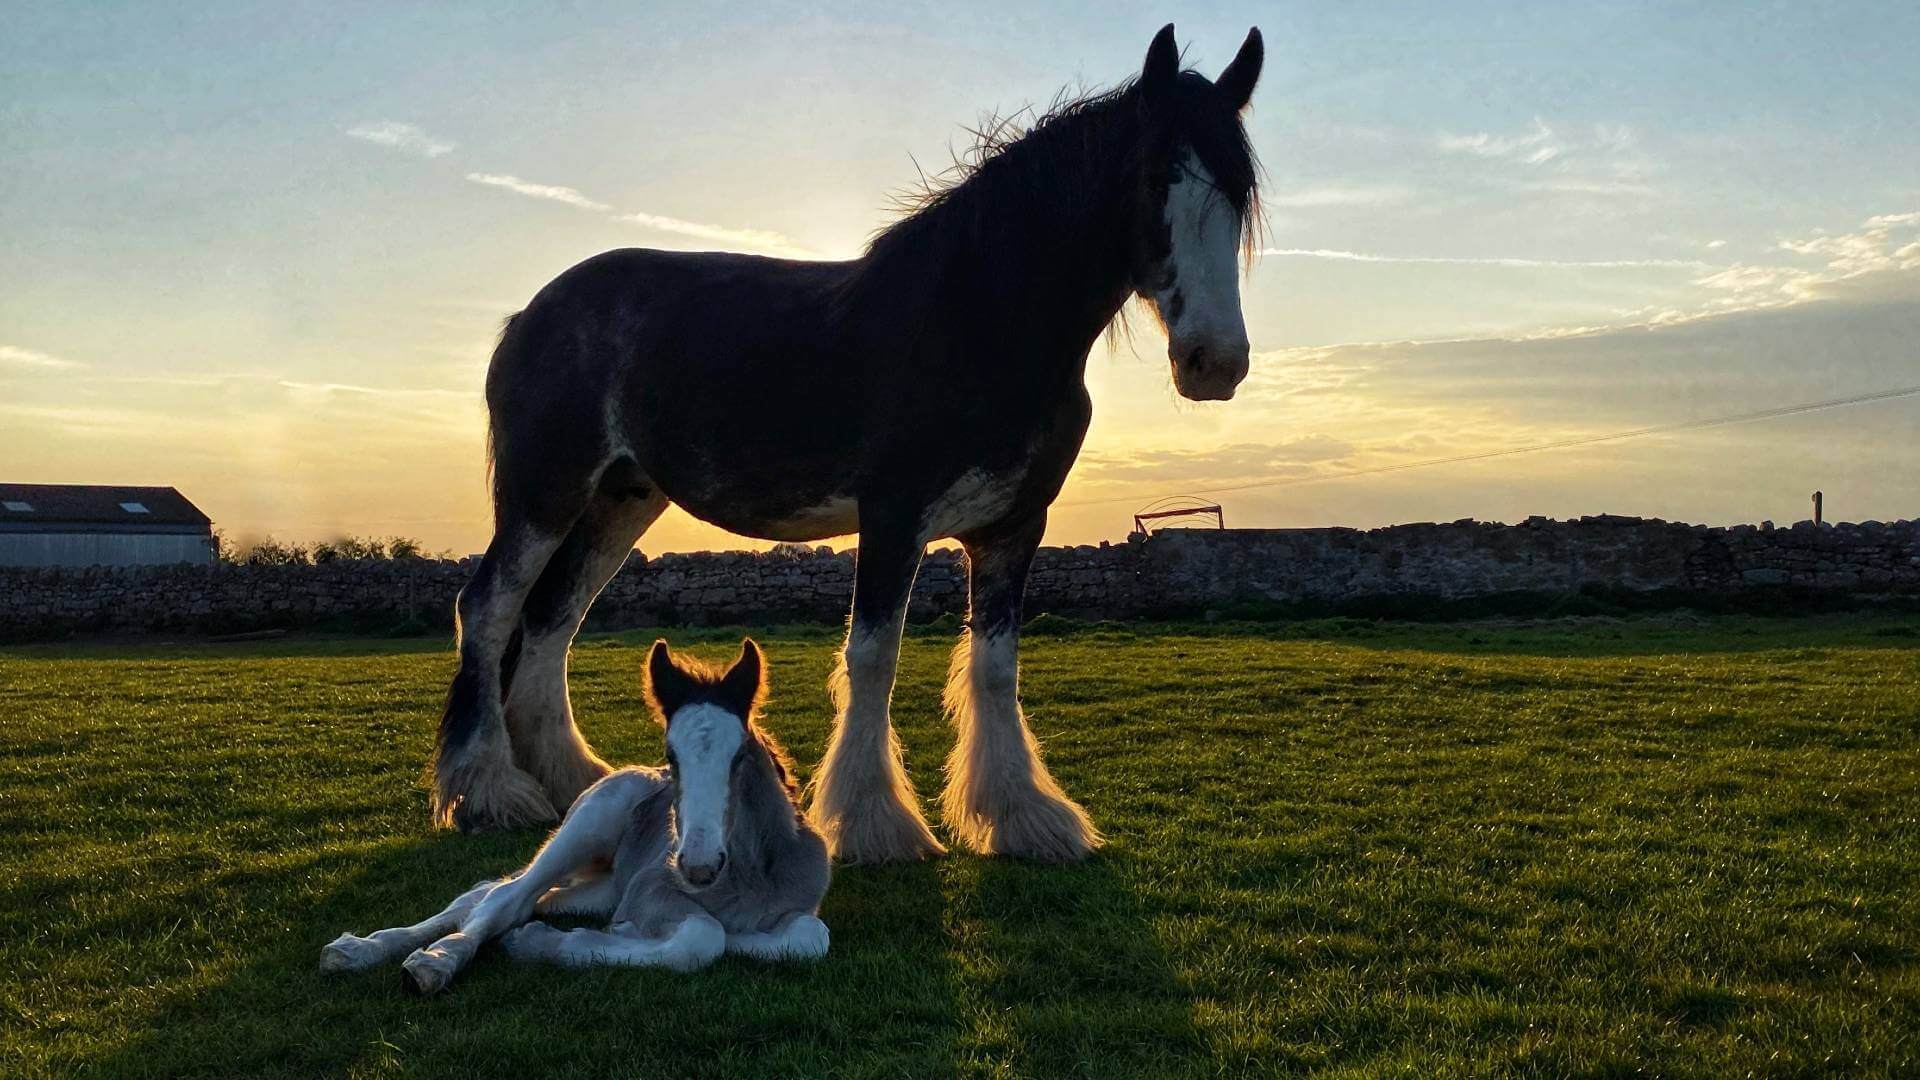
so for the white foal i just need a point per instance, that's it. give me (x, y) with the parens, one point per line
(705, 857)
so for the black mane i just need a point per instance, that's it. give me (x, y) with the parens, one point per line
(1022, 197)
(1060, 173)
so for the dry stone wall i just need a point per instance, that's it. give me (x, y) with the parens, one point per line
(1174, 572)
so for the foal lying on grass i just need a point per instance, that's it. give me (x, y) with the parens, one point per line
(706, 856)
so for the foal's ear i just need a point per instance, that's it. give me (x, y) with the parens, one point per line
(1162, 69)
(668, 687)
(1237, 80)
(740, 688)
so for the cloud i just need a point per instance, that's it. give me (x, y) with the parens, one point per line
(758, 239)
(762, 240)
(402, 137)
(1536, 146)
(1604, 161)
(15, 356)
(1716, 245)
(1884, 242)
(1315, 198)
(550, 192)
(1298, 456)
(1522, 264)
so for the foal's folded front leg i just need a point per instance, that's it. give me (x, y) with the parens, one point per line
(799, 936)
(695, 942)
(590, 832)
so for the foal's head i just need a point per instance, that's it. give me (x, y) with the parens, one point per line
(1196, 212)
(711, 742)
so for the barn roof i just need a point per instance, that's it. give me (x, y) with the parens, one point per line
(136, 508)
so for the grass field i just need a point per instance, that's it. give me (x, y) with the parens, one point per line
(1672, 846)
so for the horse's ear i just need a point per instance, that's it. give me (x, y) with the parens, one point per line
(740, 687)
(667, 686)
(1237, 80)
(1162, 69)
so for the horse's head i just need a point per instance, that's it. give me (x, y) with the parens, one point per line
(1195, 213)
(708, 715)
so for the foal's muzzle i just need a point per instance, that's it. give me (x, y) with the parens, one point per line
(701, 874)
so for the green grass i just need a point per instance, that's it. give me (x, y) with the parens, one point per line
(1673, 846)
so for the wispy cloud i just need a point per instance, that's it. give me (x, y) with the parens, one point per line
(402, 137)
(551, 192)
(1604, 160)
(758, 239)
(1521, 264)
(1535, 146)
(1315, 198)
(15, 356)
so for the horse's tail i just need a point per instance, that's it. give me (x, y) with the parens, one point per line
(500, 348)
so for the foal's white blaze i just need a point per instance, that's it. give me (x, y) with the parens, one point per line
(1206, 333)
(704, 739)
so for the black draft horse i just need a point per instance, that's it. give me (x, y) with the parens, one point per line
(933, 388)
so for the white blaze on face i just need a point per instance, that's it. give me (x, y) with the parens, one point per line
(1201, 304)
(704, 739)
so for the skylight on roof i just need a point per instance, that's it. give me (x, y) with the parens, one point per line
(18, 507)
(135, 508)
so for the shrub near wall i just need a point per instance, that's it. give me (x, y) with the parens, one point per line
(1174, 572)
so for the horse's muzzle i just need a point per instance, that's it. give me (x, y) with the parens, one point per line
(1206, 372)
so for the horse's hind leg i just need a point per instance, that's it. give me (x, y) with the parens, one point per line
(475, 783)
(546, 743)
(1000, 799)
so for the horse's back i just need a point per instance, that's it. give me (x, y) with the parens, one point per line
(691, 363)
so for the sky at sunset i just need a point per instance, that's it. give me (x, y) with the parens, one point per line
(260, 252)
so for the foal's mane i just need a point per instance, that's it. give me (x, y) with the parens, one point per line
(708, 676)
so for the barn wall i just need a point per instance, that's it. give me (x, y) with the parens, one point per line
(104, 549)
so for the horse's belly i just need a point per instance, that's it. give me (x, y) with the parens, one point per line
(831, 516)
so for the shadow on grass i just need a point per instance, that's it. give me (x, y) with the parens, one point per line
(963, 965)
(881, 1004)
(1059, 973)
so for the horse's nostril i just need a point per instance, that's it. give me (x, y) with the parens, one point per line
(1197, 359)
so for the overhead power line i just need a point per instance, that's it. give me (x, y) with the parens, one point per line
(1557, 444)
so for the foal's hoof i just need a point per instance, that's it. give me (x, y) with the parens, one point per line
(349, 953)
(427, 971)
(533, 941)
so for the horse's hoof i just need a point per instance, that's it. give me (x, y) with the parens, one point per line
(427, 971)
(502, 798)
(1039, 825)
(349, 953)
(880, 832)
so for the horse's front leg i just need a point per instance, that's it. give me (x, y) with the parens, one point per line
(1000, 799)
(862, 803)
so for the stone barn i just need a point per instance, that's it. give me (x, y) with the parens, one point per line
(101, 525)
